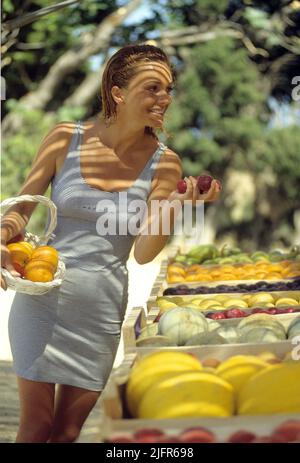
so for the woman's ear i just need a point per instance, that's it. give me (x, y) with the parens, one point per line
(117, 94)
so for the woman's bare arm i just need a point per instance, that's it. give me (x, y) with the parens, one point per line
(42, 171)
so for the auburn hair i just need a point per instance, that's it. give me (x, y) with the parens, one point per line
(120, 69)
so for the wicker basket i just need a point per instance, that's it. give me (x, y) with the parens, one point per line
(26, 286)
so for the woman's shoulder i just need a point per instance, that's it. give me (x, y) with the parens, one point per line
(171, 157)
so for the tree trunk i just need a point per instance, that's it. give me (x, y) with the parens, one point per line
(67, 63)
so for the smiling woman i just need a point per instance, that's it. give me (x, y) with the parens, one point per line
(70, 335)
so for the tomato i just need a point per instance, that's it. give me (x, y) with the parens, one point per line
(39, 270)
(47, 254)
(20, 252)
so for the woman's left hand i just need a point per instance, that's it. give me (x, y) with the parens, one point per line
(192, 192)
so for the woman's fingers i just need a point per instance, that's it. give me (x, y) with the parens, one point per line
(213, 193)
(3, 283)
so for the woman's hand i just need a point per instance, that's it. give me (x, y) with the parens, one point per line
(192, 192)
(7, 264)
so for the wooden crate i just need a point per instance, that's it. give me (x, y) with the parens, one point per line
(117, 419)
(152, 301)
(137, 320)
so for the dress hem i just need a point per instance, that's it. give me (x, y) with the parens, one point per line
(58, 380)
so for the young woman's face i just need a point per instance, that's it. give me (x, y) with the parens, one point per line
(148, 94)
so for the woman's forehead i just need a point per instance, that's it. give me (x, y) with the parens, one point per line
(156, 70)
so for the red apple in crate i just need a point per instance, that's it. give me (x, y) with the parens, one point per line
(218, 316)
(242, 437)
(289, 430)
(197, 435)
(235, 313)
(120, 439)
(167, 439)
(149, 435)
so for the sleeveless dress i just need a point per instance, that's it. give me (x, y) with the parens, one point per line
(71, 334)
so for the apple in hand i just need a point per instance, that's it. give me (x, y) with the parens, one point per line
(181, 186)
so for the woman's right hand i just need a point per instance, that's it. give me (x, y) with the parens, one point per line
(7, 264)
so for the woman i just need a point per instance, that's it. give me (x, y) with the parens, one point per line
(69, 336)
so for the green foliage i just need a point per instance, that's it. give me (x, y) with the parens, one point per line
(220, 119)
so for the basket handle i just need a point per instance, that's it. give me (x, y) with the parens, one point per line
(7, 203)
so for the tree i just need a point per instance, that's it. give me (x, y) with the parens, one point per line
(232, 59)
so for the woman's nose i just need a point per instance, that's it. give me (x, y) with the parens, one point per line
(163, 95)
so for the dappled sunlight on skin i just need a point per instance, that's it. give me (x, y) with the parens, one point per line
(115, 169)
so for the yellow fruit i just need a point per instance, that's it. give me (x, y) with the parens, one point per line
(273, 390)
(275, 268)
(175, 278)
(292, 274)
(167, 357)
(166, 305)
(235, 302)
(197, 300)
(285, 301)
(274, 276)
(176, 270)
(259, 298)
(238, 370)
(221, 297)
(143, 379)
(190, 394)
(206, 304)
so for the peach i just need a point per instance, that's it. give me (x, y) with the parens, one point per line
(242, 437)
(197, 435)
(289, 430)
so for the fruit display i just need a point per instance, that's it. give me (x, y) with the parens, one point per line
(188, 327)
(172, 384)
(176, 272)
(208, 254)
(285, 432)
(35, 264)
(255, 287)
(225, 306)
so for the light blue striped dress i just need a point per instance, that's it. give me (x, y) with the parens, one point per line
(71, 334)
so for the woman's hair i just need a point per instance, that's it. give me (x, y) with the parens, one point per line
(120, 69)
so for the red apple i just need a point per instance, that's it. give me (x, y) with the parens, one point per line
(218, 316)
(262, 440)
(289, 430)
(181, 186)
(120, 439)
(197, 435)
(235, 313)
(203, 183)
(147, 435)
(242, 437)
(167, 439)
